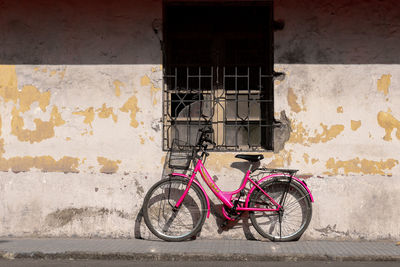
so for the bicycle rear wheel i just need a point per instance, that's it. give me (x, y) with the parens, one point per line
(168, 223)
(289, 224)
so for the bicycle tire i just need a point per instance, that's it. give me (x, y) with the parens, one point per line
(297, 205)
(169, 224)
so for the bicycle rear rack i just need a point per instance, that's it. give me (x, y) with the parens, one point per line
(269, 170)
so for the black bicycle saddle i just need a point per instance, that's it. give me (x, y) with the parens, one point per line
(252, 158)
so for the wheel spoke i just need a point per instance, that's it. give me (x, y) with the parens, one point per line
(161, 217)
(295, 217)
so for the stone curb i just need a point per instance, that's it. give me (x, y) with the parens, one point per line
(189, 257)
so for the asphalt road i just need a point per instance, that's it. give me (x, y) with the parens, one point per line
(101, 263)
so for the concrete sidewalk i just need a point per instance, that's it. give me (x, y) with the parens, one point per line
(240, 250)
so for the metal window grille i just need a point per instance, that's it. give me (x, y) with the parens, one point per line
(235, 101)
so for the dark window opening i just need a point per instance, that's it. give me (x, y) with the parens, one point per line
(218, 66)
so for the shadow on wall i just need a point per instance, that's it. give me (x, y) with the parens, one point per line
(79, 32)
(141, 231)
(338, 32)
(120, 32)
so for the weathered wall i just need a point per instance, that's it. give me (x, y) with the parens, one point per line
(81, 116)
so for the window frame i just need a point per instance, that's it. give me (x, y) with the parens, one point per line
(267, 112)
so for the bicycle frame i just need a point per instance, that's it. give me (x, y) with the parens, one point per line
(226, 196)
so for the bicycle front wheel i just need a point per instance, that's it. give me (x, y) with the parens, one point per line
(167, 222)
(292, 221)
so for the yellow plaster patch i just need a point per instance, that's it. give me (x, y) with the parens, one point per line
(306, 158)
(30, 94)
(118, 85)
(313, 161)
(43, 163)
(355, 125)
(327, 133)
(52, 73)
(217, 161)
(277, 162)
(300, 135)
(292, 101)
(105, 112)
(62, 73)
(8, 83)
(145, 80)
(280, 160)
(141, 139)
(358, 166)
(88, 114)
(109, 166)
(389, 123)
(131, 106)
(26, 97)
(339, 109)
(44, 129)
(68, 139)
(151, 138)
(384, 83)
(2, 147)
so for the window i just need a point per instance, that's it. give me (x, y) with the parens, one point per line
(218, 66)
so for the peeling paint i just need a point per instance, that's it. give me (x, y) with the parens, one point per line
(355, 125)
(292, 101)
(8, 83)
(43, 163)
(306, 158)
(88, 114)
(131, 106)
(109, 166)
(105, 112)
(313, 161)
(30, 94)
(389, 123)
(1, 147)
(44, 129)
(217, 161)
(360, 166)
(284, 158)
(384, 83)
(145, 81)
(25, 98)
(301, 136)
(118, 85)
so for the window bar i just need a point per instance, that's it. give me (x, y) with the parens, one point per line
(260, 101)
(200, 100)
(248, 107)
(237, 108)
(188, 117)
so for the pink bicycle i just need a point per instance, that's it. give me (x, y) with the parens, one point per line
(175, 208)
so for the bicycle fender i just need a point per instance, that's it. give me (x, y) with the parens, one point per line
(202, 189)
(277, 175)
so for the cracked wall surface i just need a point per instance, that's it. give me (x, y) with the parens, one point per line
(81, 117)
